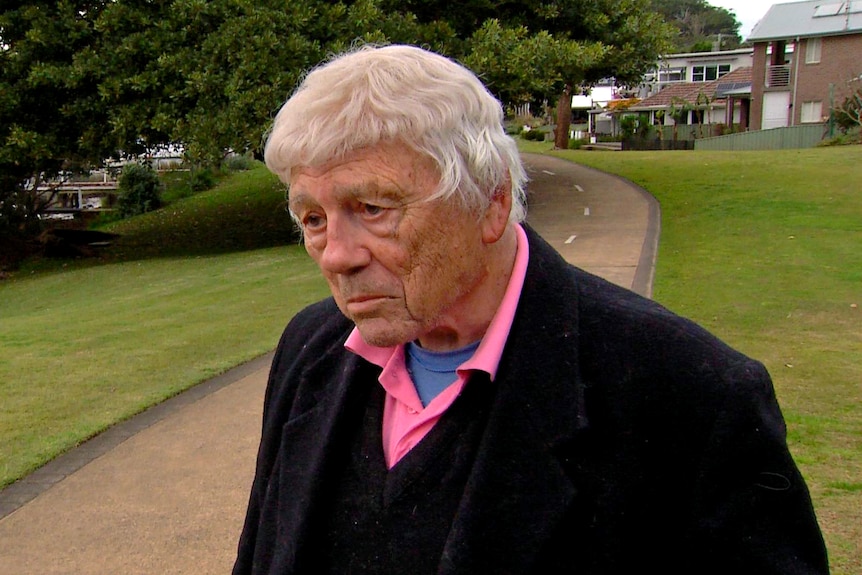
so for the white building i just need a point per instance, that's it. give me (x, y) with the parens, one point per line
(694, 67)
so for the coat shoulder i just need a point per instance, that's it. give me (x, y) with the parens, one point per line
(617, 325)
(314, 335)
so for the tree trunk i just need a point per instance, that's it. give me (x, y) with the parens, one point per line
(564, 119)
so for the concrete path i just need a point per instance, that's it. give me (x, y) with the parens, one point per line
(166, 491)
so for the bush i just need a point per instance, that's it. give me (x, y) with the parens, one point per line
(514, 128)
(628, 126)
(238, 163)
(139, 190)
(533, 135)
(202, 180)
(848, 116)
(843, 139)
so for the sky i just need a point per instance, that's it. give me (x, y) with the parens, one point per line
(748, 12)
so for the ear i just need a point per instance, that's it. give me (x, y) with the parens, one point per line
(496, 217)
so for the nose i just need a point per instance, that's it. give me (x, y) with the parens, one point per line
(344, 250)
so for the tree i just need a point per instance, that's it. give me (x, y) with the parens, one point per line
(848, 115)
(633, 34)
(210, 75)
(698, 25)
(51, 120)
(536, 66)
(608, 38)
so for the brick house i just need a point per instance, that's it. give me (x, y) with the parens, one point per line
(805, 54)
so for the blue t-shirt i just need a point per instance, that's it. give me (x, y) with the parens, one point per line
(434, 371)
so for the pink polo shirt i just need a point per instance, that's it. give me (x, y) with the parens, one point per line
(405, 420)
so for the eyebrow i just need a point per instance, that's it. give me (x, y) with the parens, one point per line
(302, 199)
(297, 201)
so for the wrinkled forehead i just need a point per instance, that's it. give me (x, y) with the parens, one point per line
(389, 172)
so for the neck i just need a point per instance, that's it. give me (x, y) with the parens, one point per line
(468, 320)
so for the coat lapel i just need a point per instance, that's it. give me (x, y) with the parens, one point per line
(331, 398)
(520, 489)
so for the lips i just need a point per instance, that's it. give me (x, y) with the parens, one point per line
(365, 304)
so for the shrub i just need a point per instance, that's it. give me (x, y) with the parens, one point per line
(629, 125)
(202, 180)
(513, 129)
(844, 138)
(848, 116)
(139, 190)
(533, 135)
(238, 163)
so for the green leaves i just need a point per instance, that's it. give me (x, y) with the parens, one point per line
(697, 24)
(520, 67)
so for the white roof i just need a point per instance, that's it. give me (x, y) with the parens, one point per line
(810, 18)
(712, 54)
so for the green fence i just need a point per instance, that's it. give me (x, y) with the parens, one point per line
(806, 136)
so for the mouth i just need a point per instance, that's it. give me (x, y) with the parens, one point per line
(365, 304)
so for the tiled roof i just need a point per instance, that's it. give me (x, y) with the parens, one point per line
(688, 91)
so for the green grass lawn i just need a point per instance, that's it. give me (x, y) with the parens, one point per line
(186, 293)
(763, 248)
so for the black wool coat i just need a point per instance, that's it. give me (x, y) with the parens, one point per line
(621, 438)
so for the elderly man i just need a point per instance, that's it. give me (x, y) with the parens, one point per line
(467, 402)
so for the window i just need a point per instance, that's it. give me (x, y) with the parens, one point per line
(709, 73)
(812, 112)
(671, 75)
(812, 50)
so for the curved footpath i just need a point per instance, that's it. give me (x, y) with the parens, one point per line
(165, 492)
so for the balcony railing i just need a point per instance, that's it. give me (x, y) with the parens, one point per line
(778, 76)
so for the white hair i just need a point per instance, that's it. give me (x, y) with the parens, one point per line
(409, 96)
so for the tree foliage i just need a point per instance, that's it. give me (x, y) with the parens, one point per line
(536, 66)
(50, 121)
(699, 26)
(848, 114)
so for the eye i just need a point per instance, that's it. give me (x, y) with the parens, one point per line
(313, 222)
(373, 210)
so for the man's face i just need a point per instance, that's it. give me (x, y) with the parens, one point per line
(401, 267)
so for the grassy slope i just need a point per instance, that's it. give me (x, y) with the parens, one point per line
(763, 248)
(173, 303)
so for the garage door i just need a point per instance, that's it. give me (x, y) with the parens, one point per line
(775, 108)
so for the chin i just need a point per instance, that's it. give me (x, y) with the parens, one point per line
(381, 333)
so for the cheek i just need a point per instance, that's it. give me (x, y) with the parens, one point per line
(434, 274)
(313, 245)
